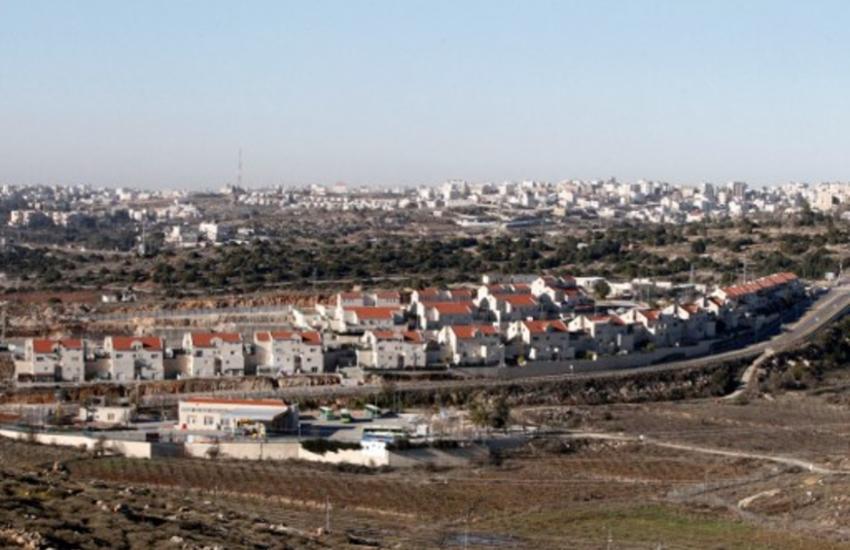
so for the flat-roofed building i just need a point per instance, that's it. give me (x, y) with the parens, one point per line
(234, 415)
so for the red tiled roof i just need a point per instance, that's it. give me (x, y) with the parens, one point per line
(762, 283)
(44, 345)
(205, 339)
(373, 312)
(388, 294)
(612, 319)
(351, 295)
(537, 327)
(266, 336)
(452, 308)
(312, 338)
(413, 336)
(127, 343)
(517, 300)
(71, 343)
(428, 292)
(468, 332)
(242, 402)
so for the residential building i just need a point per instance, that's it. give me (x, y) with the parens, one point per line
(134, 358)
(354, 319)
(214, 354)
(383, 349)
(47, 360)
(289, 352)
(472, 345)
(542, 340)
(433, 315)
(609, 333)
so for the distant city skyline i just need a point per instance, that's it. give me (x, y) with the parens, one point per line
(164, 94)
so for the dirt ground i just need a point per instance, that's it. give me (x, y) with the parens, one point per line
(548, 494)
(770, 471)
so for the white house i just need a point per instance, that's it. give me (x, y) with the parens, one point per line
(433, 315)
(289, 352)
(698, 324)
(134, 358)
(52, 360)
(384, 298)
(384, 349)
(512, 307)
(542, 340)
(609, 333)
(349, 319)
(551, 289)
(472, 344)
(214, 354)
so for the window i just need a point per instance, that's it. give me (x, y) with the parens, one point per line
(119, 355)
(110, 417)
(191, 419)
(208, 421)
(199, 353)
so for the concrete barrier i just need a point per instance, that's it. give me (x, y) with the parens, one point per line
(132, 449)
(288, 450)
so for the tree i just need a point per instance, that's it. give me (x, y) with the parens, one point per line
(698, 246)
(601, 289)
(214, 451)
(490, 413)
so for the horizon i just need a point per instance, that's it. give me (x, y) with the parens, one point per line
(164, 95)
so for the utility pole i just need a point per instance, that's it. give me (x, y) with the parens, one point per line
(327, 514)
(3, 319)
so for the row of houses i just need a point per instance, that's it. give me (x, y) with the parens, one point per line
(200, 355)
(543, 319)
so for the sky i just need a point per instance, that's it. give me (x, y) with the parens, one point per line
(163, 94)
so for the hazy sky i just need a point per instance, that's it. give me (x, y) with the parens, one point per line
(163, 94)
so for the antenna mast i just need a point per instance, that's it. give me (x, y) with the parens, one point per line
(239, 170)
